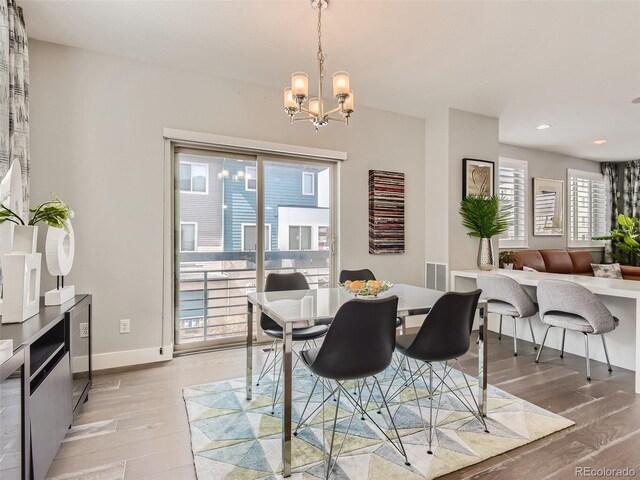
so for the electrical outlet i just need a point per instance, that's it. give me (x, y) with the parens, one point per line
(84, 330)
(125, 325)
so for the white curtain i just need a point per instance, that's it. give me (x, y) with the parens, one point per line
(14, 93)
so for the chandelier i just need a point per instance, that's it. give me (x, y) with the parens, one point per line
(296, 95)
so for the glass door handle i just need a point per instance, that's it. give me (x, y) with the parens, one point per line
(333, 245)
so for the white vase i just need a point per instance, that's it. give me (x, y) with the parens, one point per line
(21, 277)
(25, 239)
(485, 254)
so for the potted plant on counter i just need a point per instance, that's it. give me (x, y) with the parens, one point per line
(54, 213)
(485, 217)
(625, 240)
(507, 258)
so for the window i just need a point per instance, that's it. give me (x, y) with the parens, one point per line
(194, 177)
(513, 182)
(188, 237)
(323, 238)
(250, 239)
(308, 183)
(299, 237)
(587, 208)
(251, 179)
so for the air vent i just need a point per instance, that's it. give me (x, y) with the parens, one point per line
(436, 276)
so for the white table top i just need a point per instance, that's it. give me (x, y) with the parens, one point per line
(600, 286)
(307, 305)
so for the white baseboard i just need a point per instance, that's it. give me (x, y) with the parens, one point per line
(126, 358)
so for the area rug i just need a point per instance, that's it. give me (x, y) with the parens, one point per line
(233, 438)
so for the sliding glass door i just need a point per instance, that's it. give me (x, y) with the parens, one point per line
(237, 219)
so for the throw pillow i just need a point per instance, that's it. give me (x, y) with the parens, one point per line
(607, 270)
(528, 269)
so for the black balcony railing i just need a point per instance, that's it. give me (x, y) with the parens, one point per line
(213, 288)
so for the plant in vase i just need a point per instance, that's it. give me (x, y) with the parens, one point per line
(506, 259)
(23, 263)
(625, 241)
(485, 217)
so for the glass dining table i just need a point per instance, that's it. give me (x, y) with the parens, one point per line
(297, 308)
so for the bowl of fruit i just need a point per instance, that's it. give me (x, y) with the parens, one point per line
(366, 288)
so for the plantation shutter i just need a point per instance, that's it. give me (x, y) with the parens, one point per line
(513, 182)
(587, 208)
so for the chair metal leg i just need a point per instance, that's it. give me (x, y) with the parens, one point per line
(564, 334)
(266, 366)
(606, 353)
(430, 452)
(515, 338)
(586, 355)
(500, 329)
(544, 339)
(533, 337)
(329, 467)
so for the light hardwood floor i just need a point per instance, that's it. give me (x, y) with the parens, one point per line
(134, 425)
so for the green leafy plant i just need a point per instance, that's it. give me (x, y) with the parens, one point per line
(507, 256)
(624, 240)
(54, 213)
(485, 217)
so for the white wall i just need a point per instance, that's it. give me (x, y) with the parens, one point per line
(96, 141)
(546, 165)
(452, 135)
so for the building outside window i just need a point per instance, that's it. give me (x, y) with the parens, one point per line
(250, 238)
(194, 177)
(308, 183)
(188, 236)
(299, 237)
(251, 179)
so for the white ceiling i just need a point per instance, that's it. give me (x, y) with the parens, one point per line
(574, 65)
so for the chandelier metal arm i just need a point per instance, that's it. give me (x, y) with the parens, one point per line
(336, 119)
(300, 119)
(333, 110)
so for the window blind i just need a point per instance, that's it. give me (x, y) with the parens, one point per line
(587, 208)
(513, 181)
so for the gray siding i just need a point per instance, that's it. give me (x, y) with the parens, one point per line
(205, 209)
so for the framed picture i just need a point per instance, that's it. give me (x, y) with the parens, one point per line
(386, 212)
(548, 207)
(477, 177)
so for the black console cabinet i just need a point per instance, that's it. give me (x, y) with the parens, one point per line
(55, 348)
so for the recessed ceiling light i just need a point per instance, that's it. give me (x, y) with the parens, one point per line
(636, 100)
(600, 141)
(543, 126)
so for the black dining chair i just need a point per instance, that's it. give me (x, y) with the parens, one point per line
(358, 346)
(443, 337)
(364, 274)
(279, 282)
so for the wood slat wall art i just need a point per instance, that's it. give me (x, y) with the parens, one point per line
(386, 212)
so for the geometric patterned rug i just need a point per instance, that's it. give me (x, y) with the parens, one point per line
(233, 438)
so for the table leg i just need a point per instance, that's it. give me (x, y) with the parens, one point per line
(287, 351)
(249, 350)
(482, 358)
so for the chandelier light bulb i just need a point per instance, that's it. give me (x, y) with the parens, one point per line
(300, 84)
(314, 106)
(289, 101)
(340, 84)
(349, 103)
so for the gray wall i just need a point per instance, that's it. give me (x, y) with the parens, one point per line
(546, 165)
(96, 141)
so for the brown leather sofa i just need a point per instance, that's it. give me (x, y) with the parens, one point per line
(575, 262)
